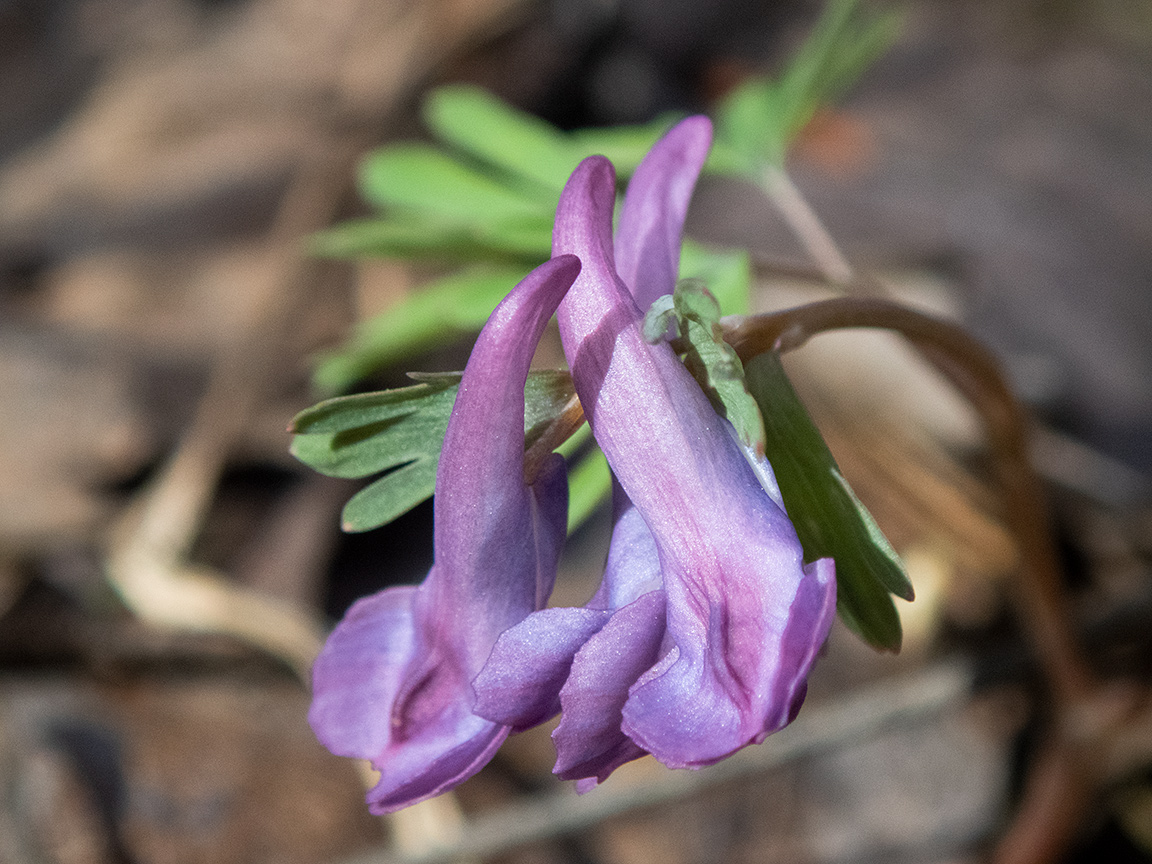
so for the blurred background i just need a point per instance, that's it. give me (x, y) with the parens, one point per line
(166, 567)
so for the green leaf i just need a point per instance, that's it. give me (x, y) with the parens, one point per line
(625, 146)
(660, 316)
(486, 127)
(589, 477)
(453, 306)
(751, 124)
(726, 272)
(409, 235)
(527, 148)
(401, 432)
(391, 496)
(422, 178)
(589, 483)
(355, 436)
(829, 519)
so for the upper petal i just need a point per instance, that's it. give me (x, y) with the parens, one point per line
(652, 219)
(496, 540)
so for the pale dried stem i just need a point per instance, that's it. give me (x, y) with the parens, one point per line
(807, 227)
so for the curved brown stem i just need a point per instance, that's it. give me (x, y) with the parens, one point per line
(975, 372)
(1059, 790)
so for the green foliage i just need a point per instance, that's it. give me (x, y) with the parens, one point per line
(589, 477)
(424, 179)
(400, 432)
(456, 305)
(829, 518)
(483, 199)
(483, 196)
(758, 121)
(726, 272)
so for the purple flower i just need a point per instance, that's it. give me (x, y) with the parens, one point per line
(393, 683)
(702, 634)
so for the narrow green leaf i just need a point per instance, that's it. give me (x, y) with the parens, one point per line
(453, 306)
(401, 432)
(759, 120)
(829, 519)
(749, 125)
(525, 146)
(343, 413)
(625, 146)
(391, 496)
(355, 436)
(487, 127)
(846, 40)
(408, 235)
(422, 178)
(589, 477)
(589, 483)
(529, 237)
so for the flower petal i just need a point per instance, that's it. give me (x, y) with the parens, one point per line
(652, 219)
(589, 741)
(520, 684)
(357, 674)
(633, 565)
(486, 538)
(739, 673)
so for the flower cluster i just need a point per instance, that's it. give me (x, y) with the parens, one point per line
(701, 635)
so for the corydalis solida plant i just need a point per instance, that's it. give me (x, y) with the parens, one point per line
(707, 622)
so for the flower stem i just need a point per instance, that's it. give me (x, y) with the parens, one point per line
(566, 424)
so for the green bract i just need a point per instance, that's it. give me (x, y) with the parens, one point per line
(829, 518)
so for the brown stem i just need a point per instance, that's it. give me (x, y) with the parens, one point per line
(975, 372)
(1059, 788)
(560, 430)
